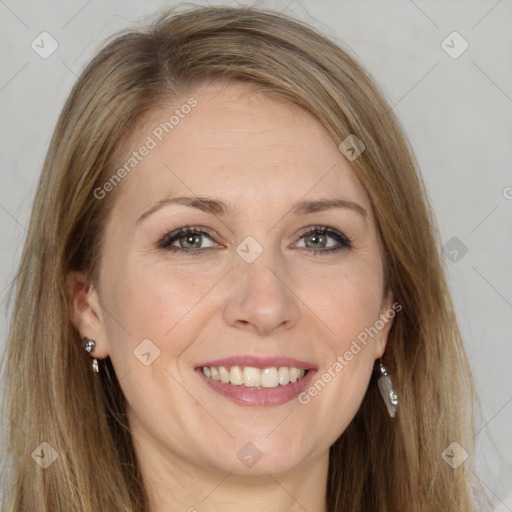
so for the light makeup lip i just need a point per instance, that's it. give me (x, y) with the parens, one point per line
(258, 362)
(261, 397)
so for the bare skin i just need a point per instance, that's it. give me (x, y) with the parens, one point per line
(261, 156)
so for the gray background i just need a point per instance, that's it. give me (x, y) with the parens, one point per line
(457, 113)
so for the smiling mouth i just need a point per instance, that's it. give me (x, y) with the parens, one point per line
(250, 377)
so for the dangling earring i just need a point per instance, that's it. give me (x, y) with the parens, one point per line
(89, 346)
(386, 389)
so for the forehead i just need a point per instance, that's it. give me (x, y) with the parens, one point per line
(236, 143)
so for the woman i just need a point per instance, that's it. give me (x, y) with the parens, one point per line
(306, 358)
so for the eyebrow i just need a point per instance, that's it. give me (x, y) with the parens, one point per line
(218, 207)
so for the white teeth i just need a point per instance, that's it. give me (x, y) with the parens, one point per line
(236, 376)
(284, 375)
(269, 378)
(224, 374)
(294, 374)
(251, 377)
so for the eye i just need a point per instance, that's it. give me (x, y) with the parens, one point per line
(318, 236)
(188, 238)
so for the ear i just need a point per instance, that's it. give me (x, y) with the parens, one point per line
(387, 312)
(85, 312)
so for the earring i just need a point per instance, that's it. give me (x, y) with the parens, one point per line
(386, 390)
(89, 346)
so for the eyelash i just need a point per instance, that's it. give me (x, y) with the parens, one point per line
(168, 238)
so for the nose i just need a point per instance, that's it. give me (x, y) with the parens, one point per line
(262, 298)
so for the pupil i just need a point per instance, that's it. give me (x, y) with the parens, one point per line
(191, 238)
(316, 238)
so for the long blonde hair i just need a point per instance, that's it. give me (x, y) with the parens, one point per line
(51, 393)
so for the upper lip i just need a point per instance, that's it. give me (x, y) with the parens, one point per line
(259, 362)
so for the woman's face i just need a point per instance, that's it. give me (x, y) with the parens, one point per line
(242, 289)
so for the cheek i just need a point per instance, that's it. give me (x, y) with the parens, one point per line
(149, 304)
(152, 324)
(351, 313)
(353, 302)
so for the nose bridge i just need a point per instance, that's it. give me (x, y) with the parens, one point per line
(261, 296)
(257, 266)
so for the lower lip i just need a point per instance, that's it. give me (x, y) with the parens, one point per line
(264, 397)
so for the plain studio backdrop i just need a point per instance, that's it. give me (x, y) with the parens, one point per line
(445, 66)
